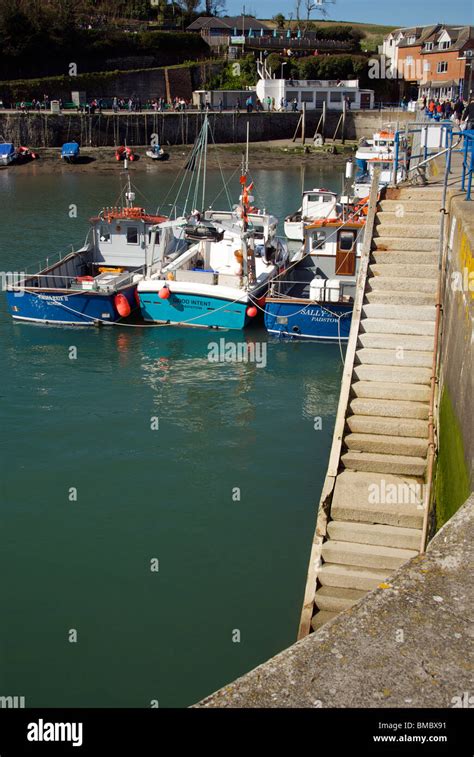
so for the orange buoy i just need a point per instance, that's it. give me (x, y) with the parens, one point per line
(252, 311)
(122, 305)
(164, 293)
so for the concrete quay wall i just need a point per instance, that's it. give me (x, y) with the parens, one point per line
(107, 129)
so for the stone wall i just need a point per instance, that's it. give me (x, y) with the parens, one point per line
(455, 469)
(46, 130)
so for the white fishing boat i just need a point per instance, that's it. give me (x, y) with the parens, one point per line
(363, 180)
(316, 204)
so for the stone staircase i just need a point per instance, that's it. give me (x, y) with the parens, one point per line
(376, 513)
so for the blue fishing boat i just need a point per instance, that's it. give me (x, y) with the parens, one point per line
(314, 297)
(222, 276)
(7, 153)
(95, 284)
(70, 152)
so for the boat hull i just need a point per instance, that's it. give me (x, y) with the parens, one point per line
(197, 310)
(299, 319)
(64, 309)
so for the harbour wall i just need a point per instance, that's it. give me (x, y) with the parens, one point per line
(38, 129)
(455, 464)
(360, 659)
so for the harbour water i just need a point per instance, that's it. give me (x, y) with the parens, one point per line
(94, 497)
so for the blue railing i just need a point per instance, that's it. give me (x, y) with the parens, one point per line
(412, 147)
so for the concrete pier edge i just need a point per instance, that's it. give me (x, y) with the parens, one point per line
(403, 645)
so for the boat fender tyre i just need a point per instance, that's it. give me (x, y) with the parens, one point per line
(122, 305)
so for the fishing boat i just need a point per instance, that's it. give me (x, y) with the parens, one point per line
(223, 275)
(315, 204)
(156, 152)
(7, 153)
(95, 284)
(381, 145)
(314, 297)
(363, 179)
(70, 152)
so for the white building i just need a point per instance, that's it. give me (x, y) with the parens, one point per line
(391, 42)
(314, 92)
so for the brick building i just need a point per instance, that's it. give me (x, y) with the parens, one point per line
(437, 61)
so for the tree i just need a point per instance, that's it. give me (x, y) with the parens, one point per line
(214, 7)
(280, 20)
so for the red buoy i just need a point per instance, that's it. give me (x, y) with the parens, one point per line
(164, 293)
(122, 305)
(252, 311)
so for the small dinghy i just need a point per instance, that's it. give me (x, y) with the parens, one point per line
(24, 154)
(7, 153)
(123, 152)
(156, 152)
(70, 152)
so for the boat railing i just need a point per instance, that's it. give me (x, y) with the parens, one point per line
(280, 289)
(62, 281)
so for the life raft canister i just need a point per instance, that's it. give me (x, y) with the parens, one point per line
(122, 305)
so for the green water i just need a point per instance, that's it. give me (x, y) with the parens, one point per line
(145, 494)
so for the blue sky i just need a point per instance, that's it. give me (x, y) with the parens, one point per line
(391, 12)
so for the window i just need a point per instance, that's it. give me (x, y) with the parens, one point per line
(409, 60)
(445, 45)
(320, 98)
(411, 40)
(132, 235)
(318, 240)
(335, 97)
(104, 234)
(442, 67)
(350, 96)
(428, 46)
(346, 240)
(426, 65)
(307, 97)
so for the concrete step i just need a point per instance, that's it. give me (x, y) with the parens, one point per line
(396, 342)
(379, 463)
(352, 576)
(336, 599)
(378, 498)
(387, 445)
(392, 326)
(401, 283)
(396, 216)
(392, 374)
(399, 298)
(383, 426)
(321, 618)
(400, 313)
(369, 533)
(387, 408)
(407, 257)
(383, 391)
(413, 271)
(365, 555)
(433, 194)
(402, 243)
(408, 228)
(397, 357)
(410, 208)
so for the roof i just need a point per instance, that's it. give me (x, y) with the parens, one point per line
(229, 23)
(460, 36)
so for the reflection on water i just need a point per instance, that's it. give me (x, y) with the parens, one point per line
(85, 423)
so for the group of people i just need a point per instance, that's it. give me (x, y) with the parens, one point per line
(456, 110)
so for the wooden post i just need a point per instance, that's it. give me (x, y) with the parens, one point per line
(303, 123)
(344, 111)
(297, 128)
(324, 121)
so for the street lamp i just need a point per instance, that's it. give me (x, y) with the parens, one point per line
(283, 64)
(468, 57)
